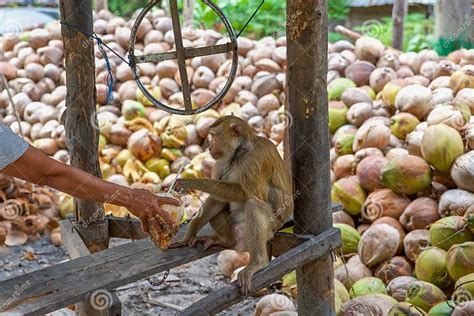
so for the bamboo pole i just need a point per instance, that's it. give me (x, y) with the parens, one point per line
(400, 10)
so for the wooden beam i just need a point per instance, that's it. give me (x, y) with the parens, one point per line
(399, 11)
(311, 250)
(307, 38)
(80, 116)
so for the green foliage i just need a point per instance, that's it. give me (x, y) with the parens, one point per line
(418, 32)
(126, 8)
(338, 9)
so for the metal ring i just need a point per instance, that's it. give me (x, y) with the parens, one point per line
(219, 96)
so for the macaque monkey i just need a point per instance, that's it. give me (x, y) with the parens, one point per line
(250, 195)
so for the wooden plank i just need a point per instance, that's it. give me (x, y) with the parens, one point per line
(307, 37)
(311, 250)
(399, 11)
(123, 227)
(67, 283)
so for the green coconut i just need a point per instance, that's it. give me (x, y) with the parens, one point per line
(370, 91)
(430, 266)
(132, 109)
(460, 260)
(442, 309)
(465, 111)
(289, 279)
(349, 193)
(464, 288)
(406, 175)
(343, 144)
(390, 91)
(160, 166)
(341, 291)
(350, 238)
(405, 309)
(369, 285)
(402, 124)
(102, 142)
(441, 146)
(155, 91)
(424, 295)
(449, 231)
(338, 304)
(337, 115)
(338, 86)
(124, 156)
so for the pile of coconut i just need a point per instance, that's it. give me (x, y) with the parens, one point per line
(402, 156)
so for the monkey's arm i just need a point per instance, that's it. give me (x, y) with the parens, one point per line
(222, 191)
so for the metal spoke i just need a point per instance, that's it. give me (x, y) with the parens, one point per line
(180, 55)
(188, 53)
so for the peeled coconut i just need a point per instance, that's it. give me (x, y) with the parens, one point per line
(462, 171)
(350, 238)
(144, 145)
(397, 288)
(368, 172)
(349, 193)
(449, 231)
(337, 87)
(414, 99)
(460, 260)
(455, 202)
(371, 135)
(402, 124)
(406, 175)
(351, 272)
(441, 146)
(369, 49)
(383, 202)
(337, 115)
(377, 244)
(424, 295)
(393, 268)
(415, 242)
(430, 266)
(419, 214)
(273, 303)
(369, 285)
(371, 304)
(229, 260)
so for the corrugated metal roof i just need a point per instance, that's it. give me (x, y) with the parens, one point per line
(373, 3)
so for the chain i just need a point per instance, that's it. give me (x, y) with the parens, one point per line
(161, 282)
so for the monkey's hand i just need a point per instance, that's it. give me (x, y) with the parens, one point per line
(185, 242)
(182, 185)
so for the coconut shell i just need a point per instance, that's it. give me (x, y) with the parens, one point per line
(352, 96)
(371, 135)
(384, 202)
(419, 214)
(415, 242)
(414, 99)
(344, 166)
(455, 202)
(229, 260)
(397, 288)
(406, 175)
(424, 295)
(430, 266)
(449, 231)
(368, 172)
(404, 308)
(464, 309)
(393, 268)
(351, 272)
(358, 113)
(460, 260)
(378, 243)
(342, 218)
(359, 72)
(462, 171)
(371, 304)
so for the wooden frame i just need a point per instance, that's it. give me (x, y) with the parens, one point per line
(309, 251)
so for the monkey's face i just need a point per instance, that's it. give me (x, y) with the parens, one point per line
(222, 143)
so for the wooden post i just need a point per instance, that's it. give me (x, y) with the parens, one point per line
(400, 10)
(307, 30)
(453, 25)
(80, 121)
(188, 12)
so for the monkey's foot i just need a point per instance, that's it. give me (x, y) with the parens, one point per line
(244, 279)
(183, 243)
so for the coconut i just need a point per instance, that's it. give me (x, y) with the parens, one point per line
(352, 96)
(229, 260)
(442, 309)
(341, 217)
(464, 287)
(384, 202)
(460, 260)
(413, 142)
(414, 99)
(393, 268)
(397, 288)
(351, 272)
(404, 308)
(349, 193)
(396, 152)
(424, 295)
(366, 152)
(466, 96)
(369, 49)
(380, 77)
(341, 291)
(132, 109)
(344, 166)
(390, 91)
(455, 202)
(430, 266)
(343, 144)
(449, 231)
(338, 86)
(406, 175)
(441, 146)
(461, 80)
(350, 238)
(274, 303)
(464, 309)
(415, 242)
(144, 145)
(403, 124)
(462, 172)
(369, 285)
(395, 224)
(359, 72)
(419, 214)
(377, 244)
(371, 135)
(359, 112)
(337, 115)
(371, 304)
(368, 172)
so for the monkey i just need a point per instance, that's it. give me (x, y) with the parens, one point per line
(250, 195)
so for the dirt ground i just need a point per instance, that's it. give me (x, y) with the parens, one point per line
(185, 284)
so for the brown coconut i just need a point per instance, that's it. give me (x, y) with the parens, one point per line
(378, 243)
(368, 172)
(384, 202)
(419, 214)
(415, 242)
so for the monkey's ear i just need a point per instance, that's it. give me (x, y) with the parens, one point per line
(236, 130)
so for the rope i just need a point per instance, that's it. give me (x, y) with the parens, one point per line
(251, 18)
